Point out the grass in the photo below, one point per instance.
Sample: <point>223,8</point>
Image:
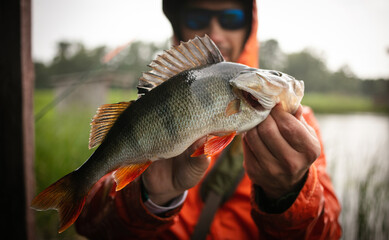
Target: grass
<point>61,145</point>
<point>120,95</point>
<point>371,219</point>
<point>62,137</point>
<point>337,103</point>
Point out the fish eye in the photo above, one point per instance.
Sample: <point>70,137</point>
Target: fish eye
<point>279,74</point>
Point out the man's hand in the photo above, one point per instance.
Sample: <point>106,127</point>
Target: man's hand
<point>168,178</point>
<point>279,151</point>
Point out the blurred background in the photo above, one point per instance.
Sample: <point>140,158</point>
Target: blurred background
<point>339,48</point>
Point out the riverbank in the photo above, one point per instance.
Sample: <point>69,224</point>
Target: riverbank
<point>337,103</point>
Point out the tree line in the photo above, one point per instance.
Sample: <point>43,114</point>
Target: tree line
<point>311,68</point>
<point>74,57</point>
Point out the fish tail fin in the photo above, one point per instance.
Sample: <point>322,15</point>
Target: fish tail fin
<point>65,198</point>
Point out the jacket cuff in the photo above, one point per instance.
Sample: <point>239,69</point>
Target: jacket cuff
<point>158,210</point>
<point>280,205</point>
<point>132,210</point>
<point>308,204</point>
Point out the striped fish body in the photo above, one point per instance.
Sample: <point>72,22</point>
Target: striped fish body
<point>190,93</point>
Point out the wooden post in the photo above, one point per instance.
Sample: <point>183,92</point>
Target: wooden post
<point>16,120</point>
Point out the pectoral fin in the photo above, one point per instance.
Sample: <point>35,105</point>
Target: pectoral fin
<point>214,145</point>
<point>233,107</point>
<point>126,174</point>
<point>199,151</point>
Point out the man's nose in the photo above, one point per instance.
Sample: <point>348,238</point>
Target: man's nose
<point>215,31</point>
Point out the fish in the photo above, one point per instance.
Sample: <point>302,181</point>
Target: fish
<point>190,92</point>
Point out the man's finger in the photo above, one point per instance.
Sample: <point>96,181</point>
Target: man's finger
<point>296,133</point>
<point>274,141</point>
<point>299,112</point>
<point>255,145</point>
<point>258,161</point>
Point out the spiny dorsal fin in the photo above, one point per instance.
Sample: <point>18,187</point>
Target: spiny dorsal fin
<point>197,52</point>
<point>104,119</point>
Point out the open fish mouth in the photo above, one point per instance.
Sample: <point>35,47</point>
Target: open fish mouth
<point>259,102</point>
<point>252,101</point>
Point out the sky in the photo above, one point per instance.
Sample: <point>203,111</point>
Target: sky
<point>343,32</point>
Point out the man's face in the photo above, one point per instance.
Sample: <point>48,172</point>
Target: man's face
<point>229,41</point>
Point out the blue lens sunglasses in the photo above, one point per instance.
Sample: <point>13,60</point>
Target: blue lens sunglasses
<point>229,19</point>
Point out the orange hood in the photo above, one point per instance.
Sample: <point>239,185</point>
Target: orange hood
<point>250,53</point>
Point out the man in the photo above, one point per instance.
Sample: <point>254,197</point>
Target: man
<point>285,192</point>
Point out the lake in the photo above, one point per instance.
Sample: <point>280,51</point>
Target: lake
<point>357,149</point>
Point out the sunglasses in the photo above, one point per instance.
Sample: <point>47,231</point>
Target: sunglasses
<point>229,19</point>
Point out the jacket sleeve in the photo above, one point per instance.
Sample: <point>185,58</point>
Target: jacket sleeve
<point>314,213</point>
<point>108,214</point>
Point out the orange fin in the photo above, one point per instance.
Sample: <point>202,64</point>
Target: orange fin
<point>199,151</point>
<point>233,107</point>
<point>126,174</point>
<point>214,145</point>
<point>65,197</point>
<point>104,119</point>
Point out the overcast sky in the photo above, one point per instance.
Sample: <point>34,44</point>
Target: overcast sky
<point>344,32</point>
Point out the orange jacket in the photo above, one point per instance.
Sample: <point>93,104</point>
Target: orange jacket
<point>121,215</point>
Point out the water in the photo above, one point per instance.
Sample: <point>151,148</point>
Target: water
<point>357,149</point>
